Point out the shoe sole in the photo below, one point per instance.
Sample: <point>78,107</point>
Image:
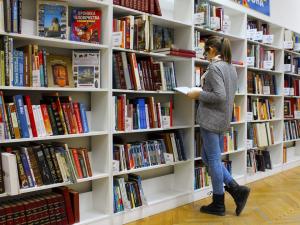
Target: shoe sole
<point>243,203</point>
<point>213,213</point>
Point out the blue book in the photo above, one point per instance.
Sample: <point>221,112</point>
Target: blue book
<point>84,118</point>
<point>42,76</point>
<point>15,68</point>
<point>142,113</point>
<point>21,68</point>
<point>27,170</point>
<point>18,99</point>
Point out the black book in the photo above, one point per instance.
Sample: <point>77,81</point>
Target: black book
<point>20,5</point>
<point>43,165</point>
<point>55,162</point>
<point>7,15</point>
<point>179,137</point>
<point>50,163</point>
<point>267,160</point>
<point>2,190</point>
<point>260,163</point>
<point>52,120</point>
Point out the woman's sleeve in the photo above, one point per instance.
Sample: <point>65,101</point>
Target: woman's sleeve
<point>218,93</point>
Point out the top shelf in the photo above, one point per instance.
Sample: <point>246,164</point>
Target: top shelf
<point>157,20</point>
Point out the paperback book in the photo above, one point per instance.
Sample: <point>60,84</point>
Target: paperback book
<point>86,25</point>
<point>86,69</point>
<point>52,18</point>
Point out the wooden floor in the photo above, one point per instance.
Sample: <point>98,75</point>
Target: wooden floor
<point>275,200</point>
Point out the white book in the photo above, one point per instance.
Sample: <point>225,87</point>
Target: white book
<point>61,166</point>
<point>186,90</point>
<point>10,170</point>
<point>147,116</point>
<point>37,121</point>
<point>41,120</point>
<point>175,151</point>
<point>126,202</point>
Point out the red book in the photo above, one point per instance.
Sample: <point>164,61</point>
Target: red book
<point>68,206</point>
<point>87,160</point>
<point>74,196</point>
<point>181,54</point>
<point>157,10</point>
<point>151,7</point>
<point>77,163</point>
<point>30,114</point>
<point>127,32</point>
<point>46,119</point>
<point>77,117</point>
<point>9,214</point>
<point>60,209</point>
<point>147,2</point>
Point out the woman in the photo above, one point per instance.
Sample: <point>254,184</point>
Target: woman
<point>214,114</point>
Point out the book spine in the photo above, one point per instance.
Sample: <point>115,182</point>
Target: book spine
<point>55,163</point>
<point>21,68</point>
<point>46,119</point>
<point>25,152</point>
<point>41,68</point>
<point>27,170</point>
<point>7,15</point>
<point>14,16</point>
<point>15,68</point>
<point>20,6</point>
<point>86,156</point>
<point>77,117</point>
<point>31,116</point>
<point>23,181</point>
<point>10,123</point>
<point>50,163</point>
<point>21,116</point>
<point>77,163</point>
<point>14,120</point>
<point>83,118</point>
<point>35,167</point>
<point>45,68</point>
<point>66,117</point>
<point>52,120</point>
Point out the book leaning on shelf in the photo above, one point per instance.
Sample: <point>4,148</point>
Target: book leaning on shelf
<point>151,152</point>
<point>45,164</point>
<point>147,6</point>
<point>291,130</point>
<point>261,134</point>
<point>132,73</point>
<point>54,207</point>
<point>55,115</point>
<point>258,160</point>
<point>128,194</point>
<point>141,113</point>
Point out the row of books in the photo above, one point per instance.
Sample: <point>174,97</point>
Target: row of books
<point>258,160</point>
<point>230,142</point>
<point>53,20</point>
<point>45,164</point>
<point>55,115</point>
<point>61,206</point>
<point>261,83</point>
<point>151,152</point>
<point>210,16</point>
<point>199,44</point>
<point>258,30</point>
<point>32,66</point>
<point>291,86</point>
<point>291,130</point>
<point>142,113</point>
<point>147,6</point>
<point>201,177</point>
<point>261,134</point>
<point>128,194</point>
<point>132,73</point>
<point>262,108</point>
<point>260,57</point>
<point>291,40</point>
<point>291,64</point>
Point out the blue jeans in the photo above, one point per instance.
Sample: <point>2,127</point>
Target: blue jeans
<point>212,148</point>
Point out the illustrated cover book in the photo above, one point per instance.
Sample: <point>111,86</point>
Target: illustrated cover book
<point>86,69</point>
<point>59,70</point>
<point>52,18</point>
<point>86,25</point>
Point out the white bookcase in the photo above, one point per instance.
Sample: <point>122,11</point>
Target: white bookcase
<point>165,186</point>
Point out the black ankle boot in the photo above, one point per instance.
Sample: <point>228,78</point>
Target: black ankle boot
<point>217,207</point>
<point>239,194</point>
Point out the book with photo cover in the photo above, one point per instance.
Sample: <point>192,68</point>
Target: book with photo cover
<point>86,25</point>
<point>52,18</point>
<point>59,69</point>
<point>86,68</point>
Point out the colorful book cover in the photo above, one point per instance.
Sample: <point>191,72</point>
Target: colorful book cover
<point>86,69</point>
<point>52,19</point>
<point>86,25</point>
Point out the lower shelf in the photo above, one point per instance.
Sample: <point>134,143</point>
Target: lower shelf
<point>92,216</point>
<point>162,196</point>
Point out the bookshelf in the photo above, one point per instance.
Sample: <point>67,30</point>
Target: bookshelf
<point>172,184</point>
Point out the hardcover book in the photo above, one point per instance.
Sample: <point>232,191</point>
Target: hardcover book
<point>52,18</point>
<point>86,25</point>
<point>59,71</point>
<point>86,69</point>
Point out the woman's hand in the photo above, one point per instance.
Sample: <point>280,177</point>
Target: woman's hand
<point>194,93</point>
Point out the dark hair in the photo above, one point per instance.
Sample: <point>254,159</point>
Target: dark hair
<point>222,45</point>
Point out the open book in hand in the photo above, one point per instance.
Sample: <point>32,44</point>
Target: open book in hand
<point>186,90</point>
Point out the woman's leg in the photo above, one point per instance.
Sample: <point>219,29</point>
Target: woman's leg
<point>227,178</point>
<point>212,152</point>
